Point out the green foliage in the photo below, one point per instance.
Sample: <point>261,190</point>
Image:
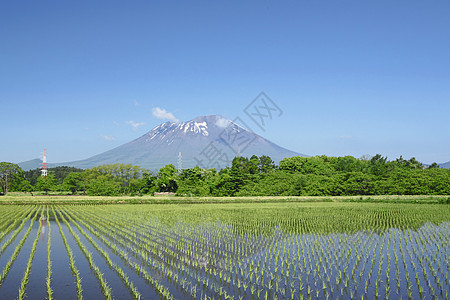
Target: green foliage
<point>114,179</point>
<point>46,183</point>
<point>265,164</point>
<point>195,182</point>
<point>167,179</point>
<point>73,182</point>
<point>307,165</point>
<point>11,177</point>
<point>148,183</point>
<point>334,176</point>
<point>259,176</point>
<point>433,166</point>
<point>25,186</point>
<point>60,173</point>
<point>103,185</point>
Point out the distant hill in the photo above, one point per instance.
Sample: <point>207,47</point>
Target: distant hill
<point>30,164</point>
<point>445,165</point>
<point>208,141</point>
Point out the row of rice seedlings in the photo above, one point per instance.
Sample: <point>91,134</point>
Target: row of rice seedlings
<point>163,291</point>
<point>7,214</point>
<point>354,268</point>
<point>73,268</point>
<point>135,250</point>
<point>434,284</point>
<point>48,281</point>
<point>210,270</point>
<point>136,294</point>
<point>17,250</point>
<point>350,254</point>
<point>16,231</point>
<point>10,220</point>
<point>26,274</point>
<point>103,283</point>
<point>170,270</point>
<point>205,261</point>
<point>4,213</point>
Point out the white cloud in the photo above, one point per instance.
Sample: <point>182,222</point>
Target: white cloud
<point>134,124</point>
<point>222,122</point>
<point>136,103</point>
<point>109,137</point>
<point>161,113</point>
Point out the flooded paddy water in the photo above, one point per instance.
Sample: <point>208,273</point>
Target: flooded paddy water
<point>225,251</point>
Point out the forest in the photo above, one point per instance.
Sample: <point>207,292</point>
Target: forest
<point>254,176</point>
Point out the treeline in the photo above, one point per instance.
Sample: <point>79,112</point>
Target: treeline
<point>255,176</point>
<point>58,172</point>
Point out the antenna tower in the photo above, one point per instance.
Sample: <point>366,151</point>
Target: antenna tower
<point>44,163</point>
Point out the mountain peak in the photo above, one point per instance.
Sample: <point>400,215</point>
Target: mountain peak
<point>195,139</point>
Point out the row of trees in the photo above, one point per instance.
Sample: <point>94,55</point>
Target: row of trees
<point>255,176</point>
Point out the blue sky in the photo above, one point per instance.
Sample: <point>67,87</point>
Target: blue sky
<point>351,77</point>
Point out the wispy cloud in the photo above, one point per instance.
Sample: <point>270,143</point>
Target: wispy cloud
<point>136,103</point>
<point>135,125</point>
<point>109,137</point>
<point>346,137</point>
<point>161,113</point>
<point>222,122</point>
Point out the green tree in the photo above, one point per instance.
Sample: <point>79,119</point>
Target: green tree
<point>73,182</point>
<point>242,171</point>
<point>59,172</point>
<point>167,179</point>
<point>292,164</point>
<point>358,183</point>
<point>318,165</point>
<point>195,182</point>
<point>25,186</point>
<point>377,165</point>
<point>46,183</point>
<point>434,166</point>
<point>124,173</point>
<point>223,184</point>
<point>148,183</point>
<point>348,164</point>
<point>266,164</point>
<point>103,185</point>
<point>412,163</point>
<point>10,175</point>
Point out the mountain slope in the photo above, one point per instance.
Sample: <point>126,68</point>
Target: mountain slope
<point>30,164</point>
<point>209,141</point>
<point>445,165</point>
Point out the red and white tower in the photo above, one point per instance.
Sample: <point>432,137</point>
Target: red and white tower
<point>44,163</point>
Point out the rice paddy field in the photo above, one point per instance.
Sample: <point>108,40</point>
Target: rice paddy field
<point>324,250</point>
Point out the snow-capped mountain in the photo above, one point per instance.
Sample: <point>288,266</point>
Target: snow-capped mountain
<point>208,141</point>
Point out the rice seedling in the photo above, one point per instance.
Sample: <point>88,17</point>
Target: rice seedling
<point>73,268</point>
<point>49,261</point>
<point>273,251</point>
<point>24,282</point>
<point>17,249</point>
<point>104,285</point>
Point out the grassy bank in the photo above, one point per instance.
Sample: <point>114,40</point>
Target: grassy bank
<point>21,198</point>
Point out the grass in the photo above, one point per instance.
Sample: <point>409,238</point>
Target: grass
<point>23,198</point>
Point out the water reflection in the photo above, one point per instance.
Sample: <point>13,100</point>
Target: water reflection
<point>43,225</point>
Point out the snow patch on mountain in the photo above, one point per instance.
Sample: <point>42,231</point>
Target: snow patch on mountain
<point>194,138</point>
